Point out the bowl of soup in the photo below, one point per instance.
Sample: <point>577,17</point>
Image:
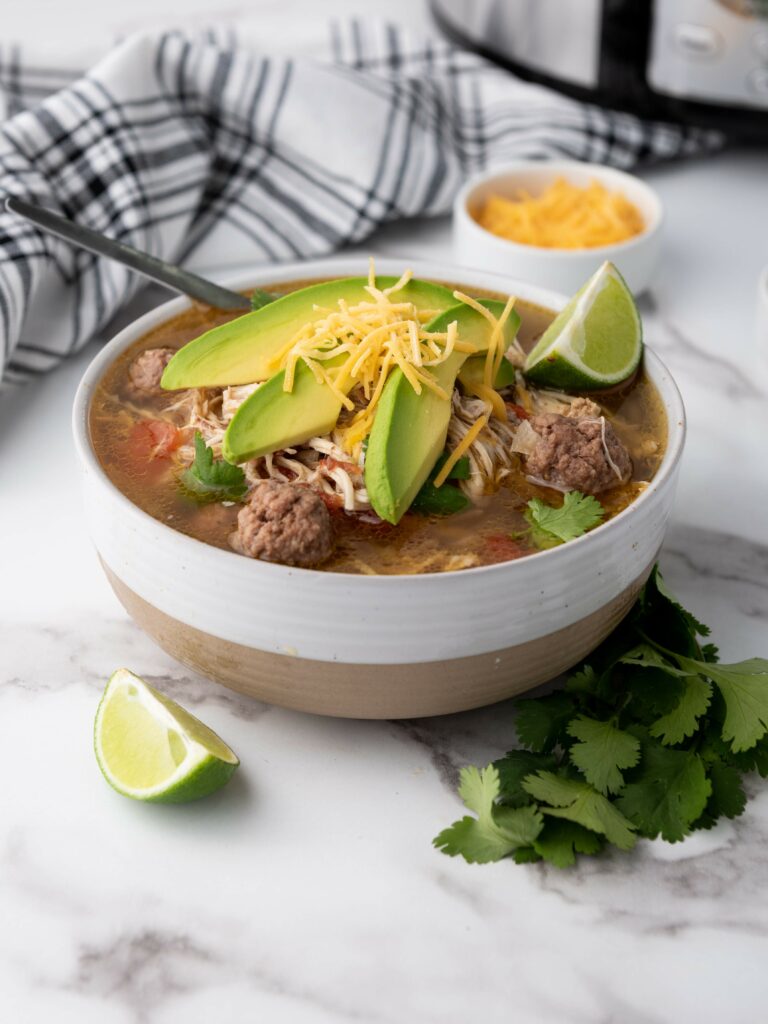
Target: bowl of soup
<point>305,571</point>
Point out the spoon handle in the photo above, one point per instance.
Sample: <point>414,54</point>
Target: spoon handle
<point>141,262</point>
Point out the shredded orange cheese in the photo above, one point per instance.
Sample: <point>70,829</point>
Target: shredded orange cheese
<point>463,446</point>
<point>495,352</point>
<point>492,397</point>
<point>357,346</point>
<point>360,344</point>
<point>564,216</point>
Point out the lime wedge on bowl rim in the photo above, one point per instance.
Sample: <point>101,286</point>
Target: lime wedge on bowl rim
<point>149,748</point>
<point>595,342</point>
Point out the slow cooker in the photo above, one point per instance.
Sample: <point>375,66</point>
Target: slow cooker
<point>702,62</point>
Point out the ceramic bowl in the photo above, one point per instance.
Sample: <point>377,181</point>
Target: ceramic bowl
<point>373,646</point>
<point>563,270</point>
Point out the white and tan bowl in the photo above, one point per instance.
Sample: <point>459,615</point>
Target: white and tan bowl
<point>373,646</point>
<point>564,270</point>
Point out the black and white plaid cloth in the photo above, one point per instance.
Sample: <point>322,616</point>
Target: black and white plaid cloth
<point>202,150</point>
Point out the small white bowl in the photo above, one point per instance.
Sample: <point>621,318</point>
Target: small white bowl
<point>373,646</point>
<point>564,270</point>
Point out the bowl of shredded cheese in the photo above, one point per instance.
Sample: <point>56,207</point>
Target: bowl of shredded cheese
<point>555,222</point>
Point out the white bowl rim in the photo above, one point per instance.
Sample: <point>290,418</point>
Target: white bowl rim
<point>344,266</point>
<point>615,174</point>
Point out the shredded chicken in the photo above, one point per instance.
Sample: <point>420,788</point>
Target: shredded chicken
<point>323,464</point>
<point>490,454</point>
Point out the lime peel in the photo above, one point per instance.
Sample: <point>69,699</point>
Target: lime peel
<point>595,342</point>
<point>149,748</point>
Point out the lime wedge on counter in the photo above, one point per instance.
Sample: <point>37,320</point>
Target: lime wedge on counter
<point>597,340</point>
<point>149,748</point>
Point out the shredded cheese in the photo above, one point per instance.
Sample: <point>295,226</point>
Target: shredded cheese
<point>352,348</point>
<point>491,396</point>
<point>564,216</point>
<point>360,344</point>
<point>495,353</point>
<point>464,445</point>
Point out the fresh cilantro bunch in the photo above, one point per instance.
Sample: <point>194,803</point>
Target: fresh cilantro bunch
<point>209,479</point>
<point>650,737</point>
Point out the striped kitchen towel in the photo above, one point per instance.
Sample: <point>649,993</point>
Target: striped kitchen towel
<point>203,150</point>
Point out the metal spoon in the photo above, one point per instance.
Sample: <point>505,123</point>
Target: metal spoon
<point>141,262</point>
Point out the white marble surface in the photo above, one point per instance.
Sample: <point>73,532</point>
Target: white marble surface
<point>308,892</point>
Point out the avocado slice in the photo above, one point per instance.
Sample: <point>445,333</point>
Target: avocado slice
<point>473,372</point>
<point>409,430</point>
<point>240,351</point>
<point>272,418</point>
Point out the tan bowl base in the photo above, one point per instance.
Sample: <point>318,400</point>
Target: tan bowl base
<point>377,691</point>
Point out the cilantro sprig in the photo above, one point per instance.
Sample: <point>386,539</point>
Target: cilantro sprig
<point>650,737</point>
<point>550,526</point>
<point>209,479</point>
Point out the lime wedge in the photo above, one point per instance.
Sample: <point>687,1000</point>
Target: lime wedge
<point>597,340</point>
<point>149,748</point>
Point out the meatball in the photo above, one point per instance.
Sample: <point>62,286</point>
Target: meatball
<point>573,454</point>
<point>145,371</point>
<point>284,523</point>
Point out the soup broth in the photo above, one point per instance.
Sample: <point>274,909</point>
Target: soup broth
<point>494,529</point>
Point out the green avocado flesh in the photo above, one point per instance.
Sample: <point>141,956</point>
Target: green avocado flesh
<point>473,372</point>
<point>272,418</point>
<point>241,351</point>
<point>410,430</point>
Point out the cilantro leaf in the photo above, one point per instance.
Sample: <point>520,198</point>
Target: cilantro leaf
<point>439,501</point>
<point>261,298</point>
<point>646,656</point>
<point>583,681</point>
<point>578,513</point>
<point>579,802</point>
<point>602,752</point>
<point>496,831</point>
<point>525,855</point>
<point>727,799</point>
<point>541,721</point>
<point>744,688</point>
<point>665,621</point>
<point>657,582</point>
<point>445,500</point>
<point>753,760</point>
<point>212,480</point>
<point>670,794</point>
<point>461,469</point>
<point>513,768</point>
<point>710,653</point>
<point>560,840</point>
<point>683,719</point>
<point>653,692</point>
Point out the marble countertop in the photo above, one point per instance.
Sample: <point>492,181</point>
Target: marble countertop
<point>308,891</point>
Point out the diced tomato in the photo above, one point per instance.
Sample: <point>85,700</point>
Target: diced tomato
<point>349,467</point>
<point>149,446</point>
<point>333,502</point>
<point>518,410</point>
<point>155,439</point>
<point>500,547</point>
